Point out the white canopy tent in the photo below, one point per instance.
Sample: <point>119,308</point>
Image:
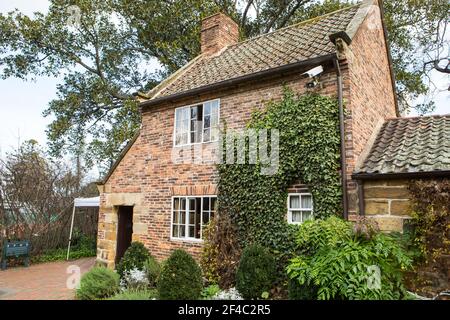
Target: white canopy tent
<point>81,203</point>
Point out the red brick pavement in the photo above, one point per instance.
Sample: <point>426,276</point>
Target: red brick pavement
<point>45,281</point>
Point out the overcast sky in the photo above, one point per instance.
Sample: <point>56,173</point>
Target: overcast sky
<point>22,102</point>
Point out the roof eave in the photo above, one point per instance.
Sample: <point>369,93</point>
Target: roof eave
<point>401,175</point>
<point>237,80</point>
<point>119,159</point>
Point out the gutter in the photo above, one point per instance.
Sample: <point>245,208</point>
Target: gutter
<point>401,175</point>
<point>342,136</point>
<point>238,80</point>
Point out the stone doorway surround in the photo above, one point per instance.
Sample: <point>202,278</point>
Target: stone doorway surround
<point>108,223</point>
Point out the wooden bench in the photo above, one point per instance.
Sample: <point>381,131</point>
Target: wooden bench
<point>16,249</point>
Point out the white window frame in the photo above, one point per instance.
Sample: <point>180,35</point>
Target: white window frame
<point>203,121</point>
<point>186,212</point>
<point>289,213</point>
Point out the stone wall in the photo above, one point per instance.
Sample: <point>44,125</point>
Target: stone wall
<point>388,203</point>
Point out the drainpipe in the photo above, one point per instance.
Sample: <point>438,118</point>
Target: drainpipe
<point>342,134</point>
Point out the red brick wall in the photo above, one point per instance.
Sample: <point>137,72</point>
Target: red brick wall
<point>218,31</point>
<point>369,94</point>
<point>147,168</point>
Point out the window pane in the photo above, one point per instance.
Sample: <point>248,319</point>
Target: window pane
<point>294,202</point>
<point>205,217</point>
<point>176,204</point>
<point>207,122</point>
<point>183,203</point>
<point>214,204</point>
<point>175,231</point>
<point>307,215</point>
<point>182,217</point>
<point>182,232</point>
<point>207,135</point>
<point>205,203</point>
<point>306,202</point>
<point>175,217</point>
<point>191,232</point>
<point>296,216</point>
<point>207,107</point>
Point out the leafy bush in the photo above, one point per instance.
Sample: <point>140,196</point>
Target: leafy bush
<point>134,257</point>
<point>134,279</point>
<point>221,251</point>
<point>256,272</point>
<point>343,264</point>
<point>180,278</point>
<point>301,292</point>
<point>98,283</point>
<point>210,291</point>
<point>152,270</point>
<point>135,295</point>
<point>308,152</point>
<point>84,246</point>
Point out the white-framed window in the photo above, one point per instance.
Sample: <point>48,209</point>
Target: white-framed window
<point>300,207</point>
<point>190,215</point>
<point>197,123</point>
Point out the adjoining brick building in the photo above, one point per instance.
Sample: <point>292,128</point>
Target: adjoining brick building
<point>149,197</point>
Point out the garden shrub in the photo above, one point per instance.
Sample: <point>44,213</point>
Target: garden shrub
<point>343,264</point>
<point>134,257</point>
<point>180,278</point>
<point>309,144</point>
<point>301,292</point>
<point>135,295</point>
<point>221,252</point>
<point>210,291</point>
<point>134,279</point>
<point>256,272</point>
<point>98,283</point>
<point>152,270</point>
<point>430,227</point>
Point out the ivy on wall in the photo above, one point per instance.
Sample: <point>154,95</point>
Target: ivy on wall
<point>309,144</point>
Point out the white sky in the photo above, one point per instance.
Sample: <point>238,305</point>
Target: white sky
<point>22,102</point>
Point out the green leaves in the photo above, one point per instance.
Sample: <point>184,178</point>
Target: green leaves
<point>338,262</point>
<point>308,152</point>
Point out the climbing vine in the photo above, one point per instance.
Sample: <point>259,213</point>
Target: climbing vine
<point>309,143</point>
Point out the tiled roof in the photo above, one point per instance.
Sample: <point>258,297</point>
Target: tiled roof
<point>410,145</point>
<point>299,42</point>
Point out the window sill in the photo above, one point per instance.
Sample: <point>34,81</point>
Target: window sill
<point>187,240</point>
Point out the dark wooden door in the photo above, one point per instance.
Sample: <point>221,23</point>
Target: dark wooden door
<point>124,231</point>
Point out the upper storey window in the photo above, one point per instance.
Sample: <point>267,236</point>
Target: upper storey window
<point>197,123</point>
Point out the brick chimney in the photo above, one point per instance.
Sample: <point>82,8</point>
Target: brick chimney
<point>218,32</point>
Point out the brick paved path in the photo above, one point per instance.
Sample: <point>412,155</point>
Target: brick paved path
<point>45,281</point>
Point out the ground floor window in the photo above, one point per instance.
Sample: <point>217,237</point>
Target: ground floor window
<point>190,215</point>
<point>300,207</point>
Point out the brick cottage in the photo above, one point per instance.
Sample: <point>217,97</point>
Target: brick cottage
<point>163,203</point>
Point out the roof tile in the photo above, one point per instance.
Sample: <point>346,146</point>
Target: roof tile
<point>403,145</point>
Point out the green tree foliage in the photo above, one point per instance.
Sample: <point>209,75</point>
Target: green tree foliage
<point>98,283</point>
<point>339,263</point>
<point>136,256</point>
<point>181,278</point>
<point>308,152</point>
<point>108,56</point>
<point>256,273</point>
